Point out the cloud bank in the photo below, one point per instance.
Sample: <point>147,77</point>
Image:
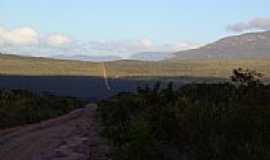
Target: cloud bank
<point>27,41</point>
<point>258,23</point>
<point>58,40</point>
<point>18,36</point>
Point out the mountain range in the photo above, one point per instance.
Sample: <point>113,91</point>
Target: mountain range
<point>88,58</point>
<point>151,56</point>
<point>244,46</point>
<point>249,45</point>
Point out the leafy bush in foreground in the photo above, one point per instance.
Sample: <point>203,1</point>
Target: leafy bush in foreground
<point>19,107</point>
<point>229,121</point>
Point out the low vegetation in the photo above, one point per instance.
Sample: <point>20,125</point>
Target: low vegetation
<point>14,65</point>
<point>198,121</point>
<point>30,66</point>
<point>20,107</point>
<point>187,68</point>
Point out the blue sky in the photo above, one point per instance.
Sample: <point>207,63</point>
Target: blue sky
<point>112,22</point>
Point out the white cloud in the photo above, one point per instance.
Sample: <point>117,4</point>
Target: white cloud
<point>58,40</point>
<point>258,23</point>
<point>121,46</point>
<point>19,36</point>
<point>134,46</point>
<point>27,41</point>
<point>147,43</point>
<point>180,46</point>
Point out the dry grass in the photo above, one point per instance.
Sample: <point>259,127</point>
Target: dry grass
<point>204,68</point>
<point>12,65</point>
<point>41,66</point>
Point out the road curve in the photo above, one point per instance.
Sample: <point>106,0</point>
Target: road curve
<point>70,137</point>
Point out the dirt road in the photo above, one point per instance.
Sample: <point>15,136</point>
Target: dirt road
<point>105,76</point>
<point>71,137</point>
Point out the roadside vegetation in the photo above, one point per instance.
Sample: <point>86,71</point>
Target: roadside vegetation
<point>220,121</point>
<point>21,107</point>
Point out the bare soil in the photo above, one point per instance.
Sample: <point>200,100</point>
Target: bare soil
<point>74,136</point>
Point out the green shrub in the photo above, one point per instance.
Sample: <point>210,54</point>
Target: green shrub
<point>20,107</point>
<point>198,121</point>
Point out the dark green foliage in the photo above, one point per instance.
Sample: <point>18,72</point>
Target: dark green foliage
<point>199,121</point>
<point>20,107</point>
<point>246,77</point>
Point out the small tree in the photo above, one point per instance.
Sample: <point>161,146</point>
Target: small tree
<point>246,77</point>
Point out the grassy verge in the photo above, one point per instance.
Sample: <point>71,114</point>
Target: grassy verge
<point>19,107</point>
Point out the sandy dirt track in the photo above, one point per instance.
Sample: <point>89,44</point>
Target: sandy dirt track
<point>70,137</point>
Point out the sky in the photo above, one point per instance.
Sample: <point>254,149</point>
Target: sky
<point>123,27</point>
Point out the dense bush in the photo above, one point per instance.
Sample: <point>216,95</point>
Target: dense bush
<point>228,121</point>
<point>19,107</point>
